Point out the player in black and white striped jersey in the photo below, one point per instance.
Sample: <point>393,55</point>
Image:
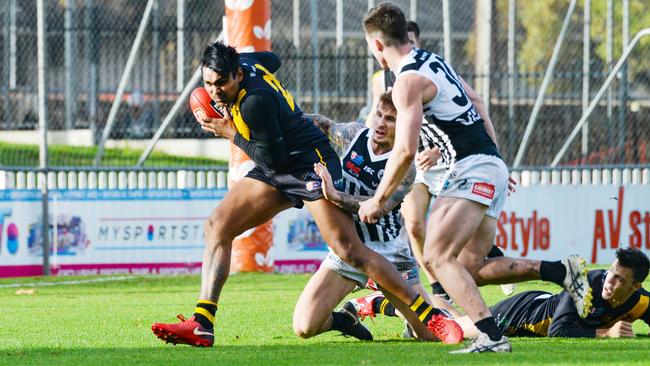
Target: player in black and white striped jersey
<point>363,153</point>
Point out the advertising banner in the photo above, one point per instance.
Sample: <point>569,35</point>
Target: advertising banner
<point>133,232</point>
<point>550,222</point>
<point>105,231</point>
<point>161,231</point>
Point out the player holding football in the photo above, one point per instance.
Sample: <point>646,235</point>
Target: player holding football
<point>264,120</point>
<point>464,214</point>
<point>363,153</point>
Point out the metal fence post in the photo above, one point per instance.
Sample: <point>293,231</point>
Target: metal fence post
<point>42,123</point>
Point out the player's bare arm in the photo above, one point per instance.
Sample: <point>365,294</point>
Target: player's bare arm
<point>479,104</point>
<point>340,134</point>
<point>377,89</point>
<point>350,203</point>
<point>618,330</point>
<point>426,159</point>
<point>408,93</point>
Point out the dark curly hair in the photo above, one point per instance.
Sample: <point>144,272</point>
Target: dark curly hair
<point>220,58</point>
<point>636,260</point>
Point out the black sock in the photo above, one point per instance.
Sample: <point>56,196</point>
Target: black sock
<point>204,313</point>
<point>381,305</point>
<point>423,310</point>
<point>436,289</point>
<point>341,321</point>
<point>489,327</point>
<point>495,252</point>
<point>552,272</point>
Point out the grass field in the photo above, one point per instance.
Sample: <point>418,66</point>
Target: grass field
<point>108,323</point>
<point>62,155</point>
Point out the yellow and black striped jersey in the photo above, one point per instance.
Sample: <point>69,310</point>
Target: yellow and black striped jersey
<point>539,313</point>
<point>271,127</point>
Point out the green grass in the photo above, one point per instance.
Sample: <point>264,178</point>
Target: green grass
<point>64,155</point>
<point>109,323</point>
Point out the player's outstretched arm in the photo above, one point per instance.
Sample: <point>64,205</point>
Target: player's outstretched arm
<point>377,89</point>
<point>567,323</point>
<point>339,134</point>
<point>351,203</point>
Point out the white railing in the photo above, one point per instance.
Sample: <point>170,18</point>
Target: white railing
<point>582,176</point>
<point>115,179</point>
<point>187,178</point>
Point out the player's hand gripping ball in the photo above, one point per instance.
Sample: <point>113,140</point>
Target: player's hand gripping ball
<point>202,104</point>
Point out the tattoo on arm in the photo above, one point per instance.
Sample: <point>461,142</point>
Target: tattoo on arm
<point>340,134</point>
<point>402,190</point>
<point>350,203</point>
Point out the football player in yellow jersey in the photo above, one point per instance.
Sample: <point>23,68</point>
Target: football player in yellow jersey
<point>265,121</point>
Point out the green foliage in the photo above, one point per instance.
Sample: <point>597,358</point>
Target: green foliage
<point>108,323</point>
<point>541,22</point>
<point>639,18</point>
<point>75,156</point>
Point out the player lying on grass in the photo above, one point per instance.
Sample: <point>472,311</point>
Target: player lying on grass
<point>264,120</point>
<point>363,153</point>
<point>618,300</point>
<point>498,270</point>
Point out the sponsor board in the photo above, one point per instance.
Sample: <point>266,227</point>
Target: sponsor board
<point>132,232</point>
<point>550,222</point>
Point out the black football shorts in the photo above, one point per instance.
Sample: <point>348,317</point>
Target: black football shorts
<point>301,183</point>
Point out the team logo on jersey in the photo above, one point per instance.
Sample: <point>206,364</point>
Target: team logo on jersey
<point>313,185</point>
<point>484,190</point>
<point>358,159</point>
<point>380,174</point>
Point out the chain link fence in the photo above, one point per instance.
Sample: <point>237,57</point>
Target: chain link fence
<point>503,48</point>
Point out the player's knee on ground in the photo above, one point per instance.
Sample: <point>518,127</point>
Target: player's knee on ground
<point>303,329</point>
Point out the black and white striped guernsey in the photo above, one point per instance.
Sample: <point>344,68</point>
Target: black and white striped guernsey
<point>451,121</point>
<point>362,172</point>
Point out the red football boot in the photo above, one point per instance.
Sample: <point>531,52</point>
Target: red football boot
<point>363,305</point>
<point>445,329</point>
<point>188,331</point>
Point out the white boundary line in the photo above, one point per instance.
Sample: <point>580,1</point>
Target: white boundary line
<point>71,282</point>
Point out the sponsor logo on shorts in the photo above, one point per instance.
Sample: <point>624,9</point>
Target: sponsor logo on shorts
<point>312,186</point>
<point>410,274</point>
<point>358,159</point>
<point>484,190</point>
<point>463,184</point>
